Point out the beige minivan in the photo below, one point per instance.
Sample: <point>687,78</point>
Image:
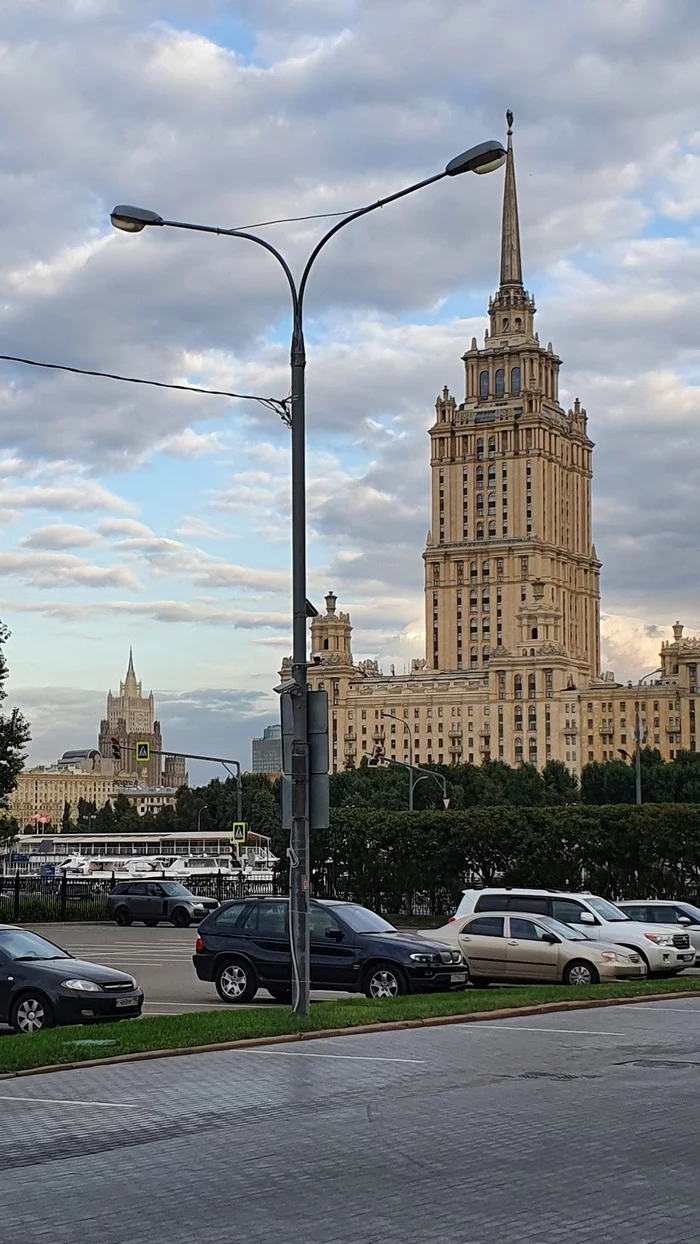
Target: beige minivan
<point>501,946</point>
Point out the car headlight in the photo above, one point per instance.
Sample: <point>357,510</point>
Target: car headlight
<point>421,958</point>
<point>609,956</point>
<point>83,986</point>
<point>661,939</point>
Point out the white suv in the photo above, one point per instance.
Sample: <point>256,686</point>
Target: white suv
<point>666,949</point>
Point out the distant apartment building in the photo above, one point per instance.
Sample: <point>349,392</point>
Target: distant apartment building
<point>267,751</point>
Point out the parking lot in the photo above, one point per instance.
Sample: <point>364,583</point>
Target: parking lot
<point>525,1131</point>
<point>160,959</point>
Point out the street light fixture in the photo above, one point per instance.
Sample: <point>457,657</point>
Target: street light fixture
<point>199,816</point>
<point>483,158</point>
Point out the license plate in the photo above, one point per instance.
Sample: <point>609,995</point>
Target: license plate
<point>458,978</point>
<point>126,1002</point>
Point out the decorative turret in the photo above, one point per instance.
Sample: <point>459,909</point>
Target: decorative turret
<point>330,636</point>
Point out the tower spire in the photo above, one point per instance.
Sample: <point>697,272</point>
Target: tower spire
<point>511,264</point>
<point>130,684</point>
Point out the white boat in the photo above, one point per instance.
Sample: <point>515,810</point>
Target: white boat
<point>101,867</point>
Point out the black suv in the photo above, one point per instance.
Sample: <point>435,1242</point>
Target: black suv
<point>245,945</point>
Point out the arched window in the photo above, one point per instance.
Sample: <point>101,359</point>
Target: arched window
<point>492,530</point>
<point>485,572</point>
<point>492,447</point>
<point>485,603</point>
<point>472,572</point>
<point>325,643</point>
<point>531,687</point>
<point>515,379</point>
<point>485,655</point>
<point>483,384</point>
<point>492,503</point>
<point>474,658</point>
<point>532,749</point>
<point>506,324</point>
<point>518,751</point>
<point>517,718</point>
<point>518,686</point>
<point>492,477</point>
<point>479,531</point>
<point>518,324</point>
<point>473,602</point>
<point>479,477</point>
<point>479,447</point>
<point>500,382</point>
<point>479,503</point>
<point>533,633</point>
<point>473,629</point>
<point>485,628</point>
<point>532,718</point>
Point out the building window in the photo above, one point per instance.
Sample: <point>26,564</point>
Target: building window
<point>492,449</point>
<point>480,505</point>
<point>472,572</point>
<point>460,572</point>
<point>479,531</point>
<point>492,530</point>
<point>524,572</point>
<point>499,569</point>
<point>531,687</point>
<point>436,573</point>
<point>479,448</point>
<point>518,687</point>
<point>473,602</point>
<point>480,476</point>
<point>473,629</point>
<point>500,382</point>
<point>474,659</point>
<point>492,502</point>
<point>485,656</point>
<point>532,717</point>
<point>483,384</point>
<point>485,572</point>
<point>485,628</point>
<point>515,379</point>
<point>485,603</point>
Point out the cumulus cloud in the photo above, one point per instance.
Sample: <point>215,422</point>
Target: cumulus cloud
<point>60,536</point>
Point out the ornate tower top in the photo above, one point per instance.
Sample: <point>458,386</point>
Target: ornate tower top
<point>511,263</point>
<point>130,687</point>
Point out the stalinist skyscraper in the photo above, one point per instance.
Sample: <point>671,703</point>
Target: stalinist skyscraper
<point>131,719</point>
<point>512,596</point>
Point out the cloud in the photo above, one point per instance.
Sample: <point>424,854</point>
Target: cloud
<point>56,570</point>
<point>190,444</point>
<point>168,611</point>
<point>84,495</point>
<point>60,536</point>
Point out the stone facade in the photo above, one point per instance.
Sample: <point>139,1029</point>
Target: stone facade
<point>512,592</point>
<point>131,719</point>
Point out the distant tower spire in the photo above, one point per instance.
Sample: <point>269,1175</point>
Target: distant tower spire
<point>130,684</point>
<point>511,264</point>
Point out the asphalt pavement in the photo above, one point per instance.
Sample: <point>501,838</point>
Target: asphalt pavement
<point>540,1130</point>
<point>160,959</point>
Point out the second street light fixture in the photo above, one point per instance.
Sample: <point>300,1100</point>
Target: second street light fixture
<point>483,158</point>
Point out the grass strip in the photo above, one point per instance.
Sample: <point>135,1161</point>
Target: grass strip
<point>173,1032</point>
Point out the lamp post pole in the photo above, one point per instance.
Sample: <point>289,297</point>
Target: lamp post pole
<point>483,158</point>
<point>406,726</point>
<point>199,817</point>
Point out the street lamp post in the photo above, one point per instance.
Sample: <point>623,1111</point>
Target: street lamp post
<point>199,816</point>
<point>410,754</point>
<point>640,735</point>
<point>483,158</point>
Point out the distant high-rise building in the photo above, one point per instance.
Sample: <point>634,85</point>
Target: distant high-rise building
<point>131,719</point>
<point>267,751</point>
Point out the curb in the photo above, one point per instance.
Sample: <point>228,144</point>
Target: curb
<point>436,1021</point>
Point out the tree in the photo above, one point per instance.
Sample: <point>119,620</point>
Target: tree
<point>14,733</point>
<point>66,822</point>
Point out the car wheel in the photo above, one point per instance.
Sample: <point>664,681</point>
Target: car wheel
<point>236,981</point>
<point>181,918</point>
<point>385,980</point>
<point>123,916</point>
<point>581,973</point>
<point>30,1013</point>
<point>151,924</point>
<point>281,993</point>
<point>479,982</point>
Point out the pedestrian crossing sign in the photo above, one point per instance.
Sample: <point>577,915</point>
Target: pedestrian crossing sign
<point>240,831</point>
<point>143,752</point>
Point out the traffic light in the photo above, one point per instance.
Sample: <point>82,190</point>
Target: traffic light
<point>116,748</point>
<point>377,755</point>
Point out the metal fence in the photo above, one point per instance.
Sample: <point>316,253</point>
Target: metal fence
<point>26,899</point>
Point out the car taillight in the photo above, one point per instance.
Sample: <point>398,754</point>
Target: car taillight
<point>451,920</point>
<point>198,946</point>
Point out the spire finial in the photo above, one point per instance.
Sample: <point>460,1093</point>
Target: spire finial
<point>511,265</point>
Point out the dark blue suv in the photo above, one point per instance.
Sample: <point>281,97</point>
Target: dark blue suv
<point>244,945</point>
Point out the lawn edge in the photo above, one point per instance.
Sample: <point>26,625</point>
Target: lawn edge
<point>434,1021</point>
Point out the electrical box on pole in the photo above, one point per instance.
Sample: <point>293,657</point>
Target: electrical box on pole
<point>319,781</point>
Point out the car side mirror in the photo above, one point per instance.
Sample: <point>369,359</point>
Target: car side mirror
<point>684,920</point>
<point>550,939</point>
<point>587,917</point>
<point>335,935</point>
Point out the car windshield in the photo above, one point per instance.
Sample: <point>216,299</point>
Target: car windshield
<point>563,930</point>
<point>173,889</point>
<point>20,944</point>
<point>362,920</point>
<point>607,910</point>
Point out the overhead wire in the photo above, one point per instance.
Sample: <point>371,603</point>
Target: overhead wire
<point>279,406</point>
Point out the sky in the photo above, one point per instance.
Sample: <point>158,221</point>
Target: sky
<point>141,516</point>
